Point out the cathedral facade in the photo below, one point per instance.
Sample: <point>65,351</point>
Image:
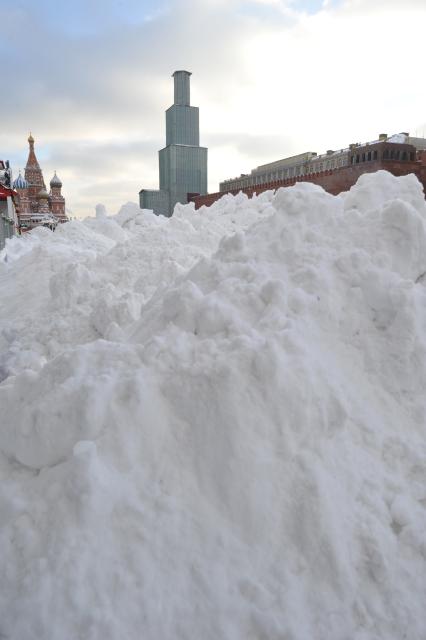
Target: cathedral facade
<point>35,206</point>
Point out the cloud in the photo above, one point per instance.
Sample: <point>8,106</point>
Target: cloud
<point>365,7</point>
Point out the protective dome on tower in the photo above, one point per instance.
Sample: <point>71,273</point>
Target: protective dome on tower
<point>55,181</point>
<point>20,182</point>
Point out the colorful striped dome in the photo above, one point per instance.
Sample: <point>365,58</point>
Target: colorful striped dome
<point>20,182</point>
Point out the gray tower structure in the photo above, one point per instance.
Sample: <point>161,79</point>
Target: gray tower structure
<point>183,163</point>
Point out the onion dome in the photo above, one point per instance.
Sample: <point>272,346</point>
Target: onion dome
<point>42,194</point>
<point>55,181</point>
<point>20,182</point>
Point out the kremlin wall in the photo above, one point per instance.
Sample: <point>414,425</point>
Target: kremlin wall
<point>335,171</point>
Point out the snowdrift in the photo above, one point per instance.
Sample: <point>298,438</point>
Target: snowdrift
<point>213,426</point>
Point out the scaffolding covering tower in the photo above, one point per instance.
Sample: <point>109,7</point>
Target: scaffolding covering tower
<point>182,162</point>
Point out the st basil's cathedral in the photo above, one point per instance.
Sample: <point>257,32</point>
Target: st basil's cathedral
<point>35,206</point>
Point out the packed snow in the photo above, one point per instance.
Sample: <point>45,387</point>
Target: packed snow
<point>213,425</point>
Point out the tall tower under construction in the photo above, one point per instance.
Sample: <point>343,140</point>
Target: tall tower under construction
<point>183,163</point>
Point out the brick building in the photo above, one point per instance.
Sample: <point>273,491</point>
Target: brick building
<point>36,207</point>
<point>335,171</point>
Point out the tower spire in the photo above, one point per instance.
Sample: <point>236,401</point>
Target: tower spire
<point>33,173</point>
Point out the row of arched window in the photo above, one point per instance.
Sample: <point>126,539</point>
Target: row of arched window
<point>388,154</point>
<point>365,157</point>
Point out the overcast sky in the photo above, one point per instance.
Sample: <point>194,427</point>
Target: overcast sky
<point>92,78</point>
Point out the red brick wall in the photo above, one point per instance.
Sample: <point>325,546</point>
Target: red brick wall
<point>334,181</point>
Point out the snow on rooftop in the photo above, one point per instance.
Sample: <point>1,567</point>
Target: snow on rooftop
<point>212,426</point>
<point>398,138</point>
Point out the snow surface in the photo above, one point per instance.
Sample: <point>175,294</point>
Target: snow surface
<point>213,425</point>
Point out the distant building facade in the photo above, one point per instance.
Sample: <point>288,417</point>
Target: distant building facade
<point>8,215</point>
<point>37,207</point>
<point>335,171</point>
<point>182,162</point>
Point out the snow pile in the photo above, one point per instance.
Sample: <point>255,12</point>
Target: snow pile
<point>213,425</point>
